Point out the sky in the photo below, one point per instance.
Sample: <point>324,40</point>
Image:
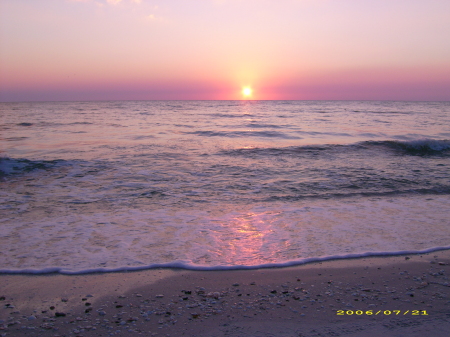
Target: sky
<point>72,50</point>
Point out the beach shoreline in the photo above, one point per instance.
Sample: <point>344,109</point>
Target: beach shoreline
<point>371,296</point>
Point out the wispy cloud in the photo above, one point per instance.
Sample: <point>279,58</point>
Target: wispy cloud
<point>111,2</point>
<point>155,17</point>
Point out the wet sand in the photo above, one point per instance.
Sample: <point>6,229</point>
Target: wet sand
<point>389,296</point>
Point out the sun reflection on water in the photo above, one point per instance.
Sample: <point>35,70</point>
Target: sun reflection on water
<point>249,239</point>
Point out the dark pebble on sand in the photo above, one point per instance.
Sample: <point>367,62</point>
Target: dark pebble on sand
<point>2,298</point>
<point>60,314</point>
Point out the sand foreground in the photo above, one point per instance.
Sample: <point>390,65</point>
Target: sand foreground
<point>381,296</point>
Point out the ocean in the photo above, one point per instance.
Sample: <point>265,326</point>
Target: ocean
<point>129,185</point>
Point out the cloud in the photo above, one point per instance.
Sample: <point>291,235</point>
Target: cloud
<point>154,18</point>
<point>115,2</point>
<point>111,2</point>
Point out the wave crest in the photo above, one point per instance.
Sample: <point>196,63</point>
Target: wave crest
<point>189,266</point>
<point>9,166</point>
<point>420,146</point>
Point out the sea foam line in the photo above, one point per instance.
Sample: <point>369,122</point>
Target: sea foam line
<point>186,266</point>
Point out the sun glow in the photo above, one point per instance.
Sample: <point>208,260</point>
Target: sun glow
<point>247,92</point>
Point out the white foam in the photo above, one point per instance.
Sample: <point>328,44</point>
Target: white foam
<point>187,266</point>
<point>261,236</point>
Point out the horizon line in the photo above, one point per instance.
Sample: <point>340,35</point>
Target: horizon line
<point>222,100</point>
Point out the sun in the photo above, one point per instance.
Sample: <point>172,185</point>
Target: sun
<point>247,92</point>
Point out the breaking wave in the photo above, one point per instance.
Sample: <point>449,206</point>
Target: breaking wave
<point>422,147</point>
<point>189,266</point>
<point>9,166</point>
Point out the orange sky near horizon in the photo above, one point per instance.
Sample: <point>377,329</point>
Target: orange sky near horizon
<point>212,49</point>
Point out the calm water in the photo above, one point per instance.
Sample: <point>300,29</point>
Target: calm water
<point>217,184</point>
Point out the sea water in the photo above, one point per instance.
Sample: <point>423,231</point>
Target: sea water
<point>126,185</point>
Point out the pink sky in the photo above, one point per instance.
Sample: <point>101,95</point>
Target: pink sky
<point>211,49</point>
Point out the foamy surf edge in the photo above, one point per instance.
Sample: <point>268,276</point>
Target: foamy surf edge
<point>186,266</point>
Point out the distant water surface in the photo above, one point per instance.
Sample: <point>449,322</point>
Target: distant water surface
<point>88,186</point>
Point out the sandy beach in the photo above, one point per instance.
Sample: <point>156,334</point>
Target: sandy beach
<point>390,296</point>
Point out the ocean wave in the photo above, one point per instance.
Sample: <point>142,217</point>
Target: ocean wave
<point>189,266</point>
<point>387,112</point>
<point>247,133</point>
<point>262,125</point>
<point>15,139</point>
<point>80,123</point>
<point>231,115</point>
<point>362,192</point>
<point>9,166</point>
<point>414,147</point>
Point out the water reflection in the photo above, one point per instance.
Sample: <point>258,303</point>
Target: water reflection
<point>248,239</point>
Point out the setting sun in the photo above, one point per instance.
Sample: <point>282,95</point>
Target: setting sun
<point>247,92</point>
